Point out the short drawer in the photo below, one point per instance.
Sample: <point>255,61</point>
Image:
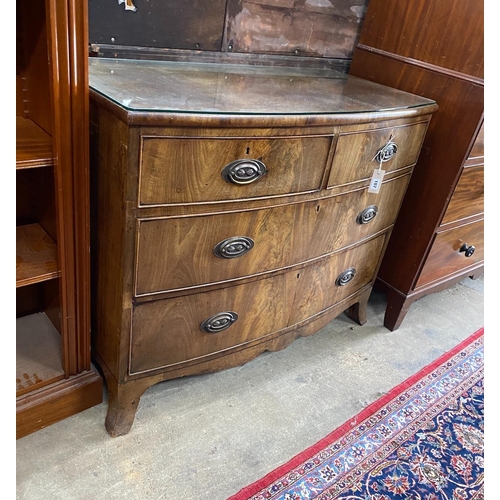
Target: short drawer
<point>449,252</point>
<point>333,279</point>
<point>356,153</point>
<point>468,197</point>
<point>183,252</point>
<point>200,169</point>
<point>177,330</point>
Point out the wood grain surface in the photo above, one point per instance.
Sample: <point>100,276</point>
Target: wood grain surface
<point>354,154</point>
<point>161,207</point>
<point>322,29</point>
<point>445,257</point>
<point>168,331</point>
<point>176,253</point>
<point>468,196</point>
<point>446,33</point>
<point>440,162</point>
<point>52,213</point>
<point>33,145</point>
<point>189,170</point>
<point>433,49</point>
<point>36,256</point>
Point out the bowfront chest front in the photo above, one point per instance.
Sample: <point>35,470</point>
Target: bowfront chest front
<point>232,211</point>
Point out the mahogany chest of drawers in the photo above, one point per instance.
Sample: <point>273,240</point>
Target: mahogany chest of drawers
<point>232,211</point>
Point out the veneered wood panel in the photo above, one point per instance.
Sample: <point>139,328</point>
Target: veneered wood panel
<point>168,331</point>
<point>447,33</point>
<point>445,257</point>
<point>334,223</point>
<point>354,154</point>
<point>187,170</point>
<point>319,28</point>
<point>468,196</point>
<point>444,151</point>
<point>317,289</point>
<point>108,219</point>
<point>179,253</point>
<point>176,253</point>
<point>186,24</point>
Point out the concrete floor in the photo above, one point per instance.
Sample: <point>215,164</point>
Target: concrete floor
<point>206,437</point>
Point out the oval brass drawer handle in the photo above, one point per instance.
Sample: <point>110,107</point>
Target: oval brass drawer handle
<point>218,322</point>
<point>243,172</point>
<point>233,247</point>
<point>387,152</point>
<point>346,276</point>
<point>468,249</point>
<point>367,215</point>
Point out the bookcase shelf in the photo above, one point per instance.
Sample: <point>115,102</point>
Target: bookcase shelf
<point>33,145</point>
<point>36,256</point>
<point>54,375</point>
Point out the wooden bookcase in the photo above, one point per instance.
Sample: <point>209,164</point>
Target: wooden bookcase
<point>54,375</point>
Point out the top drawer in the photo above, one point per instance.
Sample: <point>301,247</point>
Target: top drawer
<point>355,154</point>
<point>177,170</point>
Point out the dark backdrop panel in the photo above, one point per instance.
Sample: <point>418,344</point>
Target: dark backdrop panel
<point>179,24</point>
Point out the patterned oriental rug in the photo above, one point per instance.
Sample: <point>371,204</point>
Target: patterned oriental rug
<point>421,441</point>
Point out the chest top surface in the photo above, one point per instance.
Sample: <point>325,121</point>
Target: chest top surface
<point>165,87</point>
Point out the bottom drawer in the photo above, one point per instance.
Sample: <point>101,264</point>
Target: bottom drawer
<point>171,331</point>
<point>445,257</point>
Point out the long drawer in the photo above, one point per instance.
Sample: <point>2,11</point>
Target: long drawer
<point>200,169</point>
<point>171,331</point>
<point>451,252</point>
<point>182,252</point>
<point>356,153</point>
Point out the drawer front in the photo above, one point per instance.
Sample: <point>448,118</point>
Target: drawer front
<point>201,169</point>
<point>468,197</point>
<point>355,153</point>
<point>167,332</point>
<point>171,331</point>
<point>319,286</point>
<point>445,257</point>
<point>183,252</point>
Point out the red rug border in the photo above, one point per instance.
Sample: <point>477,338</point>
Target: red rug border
<point>272,476</point>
